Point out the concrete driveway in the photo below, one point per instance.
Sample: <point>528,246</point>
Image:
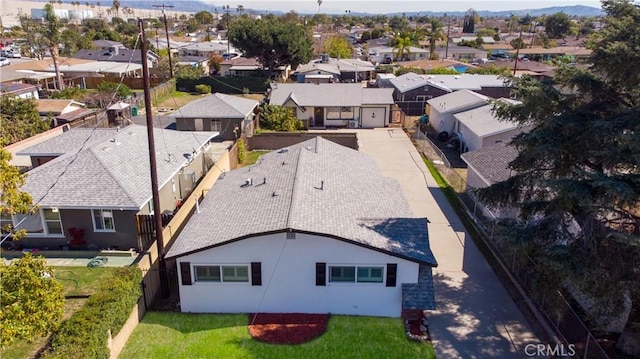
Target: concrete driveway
<point>475,316</point>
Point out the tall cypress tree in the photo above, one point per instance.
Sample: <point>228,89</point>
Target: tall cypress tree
<point>577,180</point>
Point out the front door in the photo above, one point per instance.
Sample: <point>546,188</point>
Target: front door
<point>318,117</point>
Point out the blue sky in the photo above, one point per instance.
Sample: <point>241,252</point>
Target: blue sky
<point>390,6</point>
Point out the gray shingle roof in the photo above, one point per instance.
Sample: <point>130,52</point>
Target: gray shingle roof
<point>457,101</point>
<point>71,141</point>
<point>316,186</point>
<point>330,95</point>
<point>491,162</point>
<point>483,122</point>
<point>217,105</point>
<point>466,81</point>
<point>407,82</point>
<point>112,172</point>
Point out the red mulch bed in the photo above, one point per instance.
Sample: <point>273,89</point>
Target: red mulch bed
<point>287,328</point>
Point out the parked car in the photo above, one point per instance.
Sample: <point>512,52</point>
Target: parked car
<point>10,54</point>
<point>4,61</point>
<point>15,54</point>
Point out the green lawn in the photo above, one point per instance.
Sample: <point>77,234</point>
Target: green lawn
<point>80,280</point>
<point>251,158</point>
<point>179,335</point>
<point>76,281</point>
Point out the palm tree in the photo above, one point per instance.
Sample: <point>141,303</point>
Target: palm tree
<point>402,45</point>
<point>434,34</point>
<point>116,7</point>
<point>51,35</point>
<point>99,9</point>
<point>240,9</point>
<point>319,3</point>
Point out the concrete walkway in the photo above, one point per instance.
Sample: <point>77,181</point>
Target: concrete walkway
<point>475,316</point>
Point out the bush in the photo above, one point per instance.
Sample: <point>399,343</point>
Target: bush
<point>203,89</point>
<point>241,151</point>
<point>84,335</point>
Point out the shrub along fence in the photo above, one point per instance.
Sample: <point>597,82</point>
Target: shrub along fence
<point>87,333</point>
<point>229,84</point>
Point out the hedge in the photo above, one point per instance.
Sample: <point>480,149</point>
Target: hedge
<point>231,85</point>
<point>84,335</point>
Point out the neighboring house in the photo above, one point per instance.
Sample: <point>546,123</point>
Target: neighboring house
<point>194,61</point>
<point>487,166</point>
<point>229,115</point>
<point>36,72</point>
<point>250,67</point>
<point>98,180</point>
<point>480,127</point>
<point>414,87</point>
<point>117,54</point>
<point>388,54</point>
<point>19,90</point>
<point>108,45</point>
<point>442,109</point>
<point>205,49</point>
<point>461,53</point>
<point>89,75</point>
<point>335,105</point>
<point>485,39</point>
<point>312,228</point>
<point>327,69</point>
<point>63,110</point>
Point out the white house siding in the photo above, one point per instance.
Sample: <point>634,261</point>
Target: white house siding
<point>373,117</point>
<point>474,180</point>
<point>289,278</point>
<point>441,121</point>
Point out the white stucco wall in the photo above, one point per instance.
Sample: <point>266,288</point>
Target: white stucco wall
<point>289,278</point>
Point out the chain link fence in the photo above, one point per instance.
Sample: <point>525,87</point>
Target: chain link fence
<point>566,323</point>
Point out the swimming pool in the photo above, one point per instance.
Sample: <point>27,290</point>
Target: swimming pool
<point>460,68</point>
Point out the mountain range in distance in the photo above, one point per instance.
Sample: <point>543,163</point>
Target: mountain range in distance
<point>197,5</point>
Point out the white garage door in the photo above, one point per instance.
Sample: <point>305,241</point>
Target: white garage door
<point>373,117</point>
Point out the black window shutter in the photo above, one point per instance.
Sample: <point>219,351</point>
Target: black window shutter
<point>256,273</point>
<point>321,274</point>
<point>392,270</point>
<point>185,273</point>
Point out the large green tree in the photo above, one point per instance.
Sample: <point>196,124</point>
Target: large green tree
<point>32,300</point>
<point>338,47</point>
<point>275,42</point>
<point>12,199</point>
<point>558,25</point>
<point>19,119</point>
<point>577,174</point>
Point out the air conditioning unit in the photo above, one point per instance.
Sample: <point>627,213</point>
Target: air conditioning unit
<point>353,124</point>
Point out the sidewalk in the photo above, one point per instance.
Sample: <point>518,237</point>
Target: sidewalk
<point>475,316</point>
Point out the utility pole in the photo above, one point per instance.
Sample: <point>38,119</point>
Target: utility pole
<point>226,10</point>
<point>157,211</point>
<point>446,51</point>
<point>166,30</point>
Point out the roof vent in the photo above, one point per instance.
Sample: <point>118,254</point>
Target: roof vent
<point>248,182</point>
<point>291,235</point>
<point>284,150</point>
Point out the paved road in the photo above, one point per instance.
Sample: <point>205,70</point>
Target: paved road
<point>475,316</point>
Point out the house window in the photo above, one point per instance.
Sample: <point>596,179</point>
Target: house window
<point>216,125</point>
<point>342,274</point>
<point>333,113</point>
<point>5,223</point>
<point>207,273</point>
<point>346,113</point>
<point>353,274</point>
<point>103,220</point>
<point>52,221</point>
<point>44,222</point>
<point>370,274</point>
<point>222,273</point>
